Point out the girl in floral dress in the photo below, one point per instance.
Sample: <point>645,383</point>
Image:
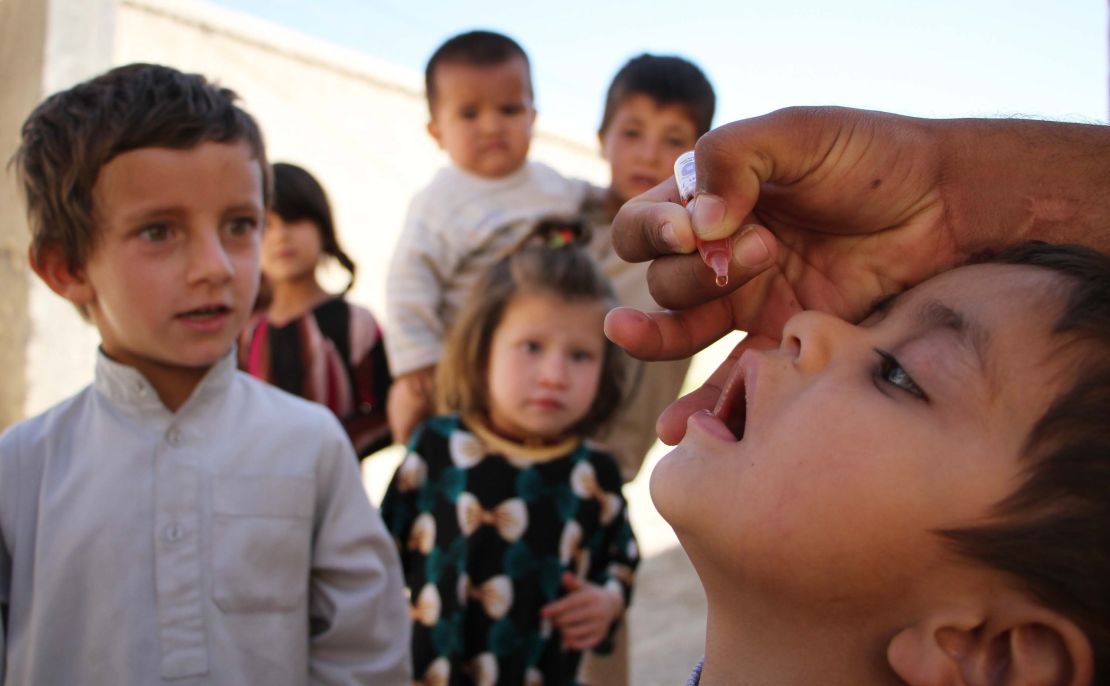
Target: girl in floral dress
<point>512,528</point>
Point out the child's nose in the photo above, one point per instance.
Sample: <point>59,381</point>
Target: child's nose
<point>490,122</point>
<point>650,149</point>
<point>813,338</point>
<point>553,370</point>
<point>208,259</point>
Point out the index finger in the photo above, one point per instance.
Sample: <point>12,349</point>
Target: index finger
<point>668,335</point>
<point>653,224</point>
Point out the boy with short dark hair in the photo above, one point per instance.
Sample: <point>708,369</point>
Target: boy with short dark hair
<point>922,498</point>
<point>479,89</point>
<point>177,520</point>
<point>669,80</point>
<point>656,108</point>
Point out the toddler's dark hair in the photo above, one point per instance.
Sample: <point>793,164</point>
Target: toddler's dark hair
<point>72,134</point>
<point>474,48</point>
<point>667,79</point>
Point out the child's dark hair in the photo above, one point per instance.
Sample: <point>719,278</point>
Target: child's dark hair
<point>298,195</point>
<point>1053,532</point>
<point>474,48</point>
<point>667,79</point>
<point>72,134</point>
<point>553,260</point>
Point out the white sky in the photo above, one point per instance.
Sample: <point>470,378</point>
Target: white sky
<point>934,58</point>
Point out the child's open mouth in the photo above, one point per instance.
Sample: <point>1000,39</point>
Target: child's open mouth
<point>205,312</point>
<point>732,406</point>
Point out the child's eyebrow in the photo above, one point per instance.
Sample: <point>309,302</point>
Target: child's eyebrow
<point>251,206</point>
<point>934,314</point>
<point>882,305</point>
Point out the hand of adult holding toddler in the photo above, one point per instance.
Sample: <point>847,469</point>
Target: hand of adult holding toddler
<point>410,402</point>
<point>833,209</point>
<point>584,615</point>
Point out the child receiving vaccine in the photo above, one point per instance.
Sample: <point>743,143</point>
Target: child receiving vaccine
<point>921,498</point>
<point>512,528</point>
<point>308,341</point>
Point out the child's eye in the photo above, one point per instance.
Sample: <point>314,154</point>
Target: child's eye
<point>241,226</point>
<point>581,356</point>
<point>891,371</point>
<point>631,134</point>
<point>678,143</point>
<point>512,110</point>
<point>469,113</point>
<point>530,346</point>
<point>155,233</point>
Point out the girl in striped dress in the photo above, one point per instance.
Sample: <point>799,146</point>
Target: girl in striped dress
<point>302,338</point>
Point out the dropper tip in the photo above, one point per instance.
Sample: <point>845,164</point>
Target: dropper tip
<point>719,262</point>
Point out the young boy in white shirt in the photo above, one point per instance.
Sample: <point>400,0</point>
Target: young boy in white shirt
<point>921,498</point>
<point>479,90</point>
<point>177,520</point>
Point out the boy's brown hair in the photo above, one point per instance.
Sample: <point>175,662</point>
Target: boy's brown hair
<point>477,49</point>
<point>1053,533</point>
<point>666,79</point>
<point>552,261</point>
<point>72,134</point>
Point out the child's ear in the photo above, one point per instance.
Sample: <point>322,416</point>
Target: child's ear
<point>434,132</point>
<point>52,268</point>
<point>601,144</point>
<point>1025,645</point>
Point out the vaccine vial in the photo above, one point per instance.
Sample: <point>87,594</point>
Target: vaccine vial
<point>718,253</point>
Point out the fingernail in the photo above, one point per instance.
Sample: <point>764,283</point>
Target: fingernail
<point>750,251</point>
<point>708,213</point>
<point>667,233</point>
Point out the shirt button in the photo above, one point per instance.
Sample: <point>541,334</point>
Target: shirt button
<point>173,532</point>
<point>174,436</point>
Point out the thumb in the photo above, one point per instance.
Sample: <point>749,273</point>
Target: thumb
<point>729,172</point>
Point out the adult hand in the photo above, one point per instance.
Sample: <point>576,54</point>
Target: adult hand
<point>834,209</point>
<point>411,400</point>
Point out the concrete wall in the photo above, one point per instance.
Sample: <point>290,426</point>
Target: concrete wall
<point>45,348</point>
<point>356,122</point>
<point>21,58</point>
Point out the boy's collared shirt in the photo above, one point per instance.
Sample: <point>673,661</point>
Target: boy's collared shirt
<point>230,542</point>
<point>456,227</point>
<point>695,676</point>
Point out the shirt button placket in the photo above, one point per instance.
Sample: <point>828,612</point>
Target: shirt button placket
<point>183,640</point>
<point>173,532</point>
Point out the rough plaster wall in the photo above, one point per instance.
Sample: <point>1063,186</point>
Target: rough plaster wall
<point>78,40</point>
<point>22,26</point>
